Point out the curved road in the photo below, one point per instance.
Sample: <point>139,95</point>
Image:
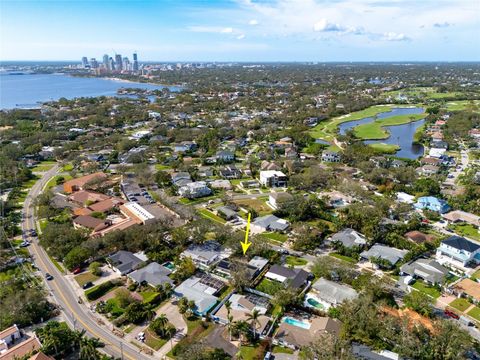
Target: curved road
<point>77,315</point>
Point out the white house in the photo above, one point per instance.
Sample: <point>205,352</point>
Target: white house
<point>194,190</point>
<point>273,178</point>
<point>458,252</point>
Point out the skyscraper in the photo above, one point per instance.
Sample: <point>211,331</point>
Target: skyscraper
<point>106,62</point>
<point>126,64</point>
<point>84,62</point>
<point>118,62</point>
<point>135,62</point>
<point>93,63</point>
<point>111,64</point>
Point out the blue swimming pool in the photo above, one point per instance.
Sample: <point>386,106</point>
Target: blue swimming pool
<point>295,322</point>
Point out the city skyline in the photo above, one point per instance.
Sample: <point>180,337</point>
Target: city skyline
<point>243,30</point>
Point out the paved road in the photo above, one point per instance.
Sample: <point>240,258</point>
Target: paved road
<point>77,315</point>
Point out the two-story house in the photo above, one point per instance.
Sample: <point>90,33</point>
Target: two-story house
<point>273,178</point>
<point>458,252</point>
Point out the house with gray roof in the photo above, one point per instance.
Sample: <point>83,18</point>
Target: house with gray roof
<point>204,255</point>
<point>124,262</point>
<point>349,238</point>
<point>196,290</point>
<point>426,269</point>
<point>268,223</point>
<point>153,274</point>
<point>291,278</point>
<point>383,252</point>
<point>330,293</point>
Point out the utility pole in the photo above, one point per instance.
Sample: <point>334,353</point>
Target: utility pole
<point>74,321</point>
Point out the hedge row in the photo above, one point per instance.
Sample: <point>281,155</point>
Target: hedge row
<point>99,290</point>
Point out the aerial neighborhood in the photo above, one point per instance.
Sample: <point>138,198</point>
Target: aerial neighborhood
<point>137,208</point>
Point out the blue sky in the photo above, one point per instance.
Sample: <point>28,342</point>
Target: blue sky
<point>242,30</point>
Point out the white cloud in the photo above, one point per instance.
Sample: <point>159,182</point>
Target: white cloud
<point>241,36</point>
<point>392,36</point>
<point>324,25</point>
<point>211,29</point>
<point>253,22</point>
<point>227,30</point>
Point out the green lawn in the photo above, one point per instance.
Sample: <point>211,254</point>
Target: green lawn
<point>281,350</point>
<point>344,258</point>
<point>57,264</point>
<point>148,295</point>
<point>281,238</point>
<point>385,148</point>
<point>475,275</point>
<point>295,261</point>
<point>374,130</point>
<point>467,230</point>
<point>53,181</point>
<point>251,352</point>
<point>162,167</point>
<point>67,167</point>
<point>85,277</point>
<point>269,287</point>
<point>151,340</point>
<point>211,216</point>
<point>116,309</point>
<point>421,286</point>
<point>460,304</point>
<point>258,204</point>
<point>475,313</point>
<point>44,166</point>
<point>473,105</point>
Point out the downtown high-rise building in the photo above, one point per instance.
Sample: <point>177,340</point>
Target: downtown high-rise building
<point>84,62</point>
<point>118,62</point>
<point>126,64</point>
<point>106,62</point>
<point>93,63</point>
<point>135,62</point>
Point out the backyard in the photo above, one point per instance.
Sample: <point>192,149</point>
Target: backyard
<point>85,277</point>
<point>429,290</point>
<point>256,204</point>
<point>269,287</point>
<point>460,304</point>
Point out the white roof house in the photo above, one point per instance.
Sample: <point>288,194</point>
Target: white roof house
<point>201,294</point>
<point>139,212</point>
<point>405,198</point>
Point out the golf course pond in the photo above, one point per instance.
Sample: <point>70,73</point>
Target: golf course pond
<point>395,127</point>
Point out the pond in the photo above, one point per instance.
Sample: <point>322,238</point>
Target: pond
<point>401,135</point>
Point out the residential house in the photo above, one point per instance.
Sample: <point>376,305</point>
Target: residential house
<point>241,306</point>
<point>336,199</point>
<point>230,172</point>
<point>295,336</point>
<point>349,238</point>
<point>201,290</point>
<point>383,252</point>
<point>221,184</point>
<point>204,255</point>
<point>459,216</point>
<point>273,178</point>
<point>458,252</point>
<point>194,190</point>
<point>138,213</point>
<point>291,153</point>
<point>427,269</point>
<point>427,170</point>
<point>405,198</point>
<point>181,178</point>
<point>418,237</point>
<point>226,213</point>
<point>268,223</point>
<point>153,274</point>
<point>331,156</point>
<point>77,184</point>
<point>15,345</point>
<point>326,294</point>
<point>224,156</point>
<point>253,268</point>
<point>124,262</point>
<point>291,278</point>
<point>267,165</point>
<point>277,199</point>
<point>432,203</point>
<point>468,288</point>
<point>90,223</point>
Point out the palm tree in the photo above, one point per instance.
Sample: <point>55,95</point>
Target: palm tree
<point>253,317</point>
<point>159,325</point>
<point>150,312</point>
<point>88,348</point>
<point>228,306</point>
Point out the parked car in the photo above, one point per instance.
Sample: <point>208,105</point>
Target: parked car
<point>48,276</point>
<point>24,244</point>
<point>141,336</point>
<point>77,270</point>
<point>87,285</point>
<point>451,314</point>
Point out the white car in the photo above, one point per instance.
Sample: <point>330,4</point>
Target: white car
<point>141,336</point>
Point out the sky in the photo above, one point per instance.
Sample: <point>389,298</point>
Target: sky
<point>242,30</point>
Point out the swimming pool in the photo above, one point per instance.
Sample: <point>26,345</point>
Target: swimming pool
<point>169,265</point>
<point>295,322</point>
<point>315,303</point>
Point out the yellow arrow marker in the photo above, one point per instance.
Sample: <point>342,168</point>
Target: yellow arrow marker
<point>246,244</point>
